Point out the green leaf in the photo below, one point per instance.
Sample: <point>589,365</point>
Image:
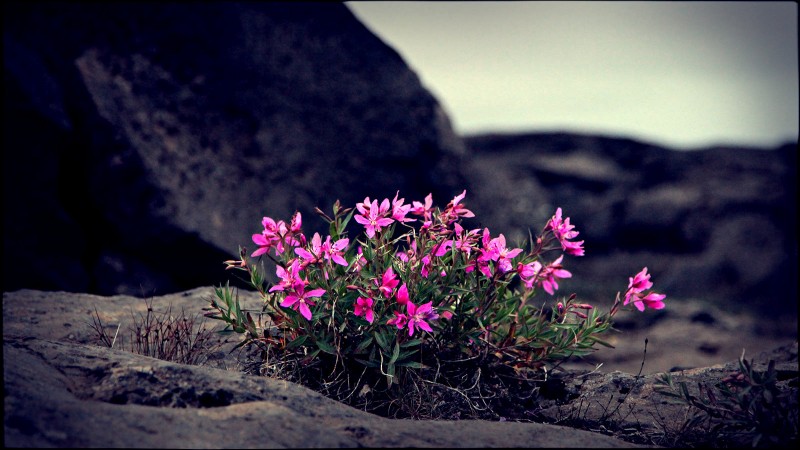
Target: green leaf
<point>364,344</point>
<point>411,343</point>
<point>395,353</point>
<point>347,219</point>
<point>367,363</point>
<point>412,364</point>
<point>300,340</point>
<point>325,347</point>
<point>381,340</point>
<point>601,342</point>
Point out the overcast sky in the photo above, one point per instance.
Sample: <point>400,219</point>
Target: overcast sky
<point>683,74</point>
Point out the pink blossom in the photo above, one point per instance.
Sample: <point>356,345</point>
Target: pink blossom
<point>425,210</point>
<point>456,210</point>
<point>415,317</point>
<point>297,223</point>
<point>288,276</point>
<point>402,295</point>
<point>373,216</point>
<point>264,244</point>
<point>442,248</point>
<point>400,320</point>
<point>495,250</point>
<point>651,300</point>
<point>529,273</point>
<point>563,231</point>
<point>360,261</point>
<point>635,294</point>
<point>276,234</point>
<point>400,210</point>
<point>333,251</point>
<point>419,315</point>
<point>315,253</point>
<point>426,264</point>
<point>640,282</point>
<point>548,275</point>
<point>363,307</point>
<point>465,241</point>
<point>389,281</point>
<point>300,300</point>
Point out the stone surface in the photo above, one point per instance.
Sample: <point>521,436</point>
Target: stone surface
<point>629,402</point>
<point>62,391</point>
<point>146,135</point>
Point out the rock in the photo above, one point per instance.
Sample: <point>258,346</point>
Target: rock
<point>716,224</point>
<point>60,390</point>
<point>146,136</point>
<point>633,405</point>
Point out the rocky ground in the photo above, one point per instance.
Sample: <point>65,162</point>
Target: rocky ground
<point>64,389</point>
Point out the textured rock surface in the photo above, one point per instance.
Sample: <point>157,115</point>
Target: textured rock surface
<point>150,134</point>
<point>64,390</point>
<point>61,391</point>
<point>628,402</point>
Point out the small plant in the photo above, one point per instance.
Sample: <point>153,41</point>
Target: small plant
<point>745,408</point>
<point>414,291</point>
<point>176,338</point>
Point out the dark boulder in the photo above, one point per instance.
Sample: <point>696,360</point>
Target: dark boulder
<point>144,142</point>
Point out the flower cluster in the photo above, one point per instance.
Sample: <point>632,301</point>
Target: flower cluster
<point>418,279</point>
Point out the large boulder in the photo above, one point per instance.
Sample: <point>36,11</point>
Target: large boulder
<point>144,142</point>
<point>717,224</point>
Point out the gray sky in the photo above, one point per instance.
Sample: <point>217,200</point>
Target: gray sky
<point>684,74</point>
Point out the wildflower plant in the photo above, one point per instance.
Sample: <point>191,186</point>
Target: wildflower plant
<point>414,286</point>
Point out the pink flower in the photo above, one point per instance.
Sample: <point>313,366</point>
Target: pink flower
<point>315,253</point>
<point>534,274</point>
<point>288,276</point>
<point>456,210</point>
<point>495,250</point>
<point>563,231</point>
<point>264,244</point>
<point>402,295</point>
<point>637,284</point>
<point>300,300</point>
<point>360,261</point>
<point>465,241</point>
<point>651,300</point>
<point>400,320</point>
<point>415,317</point>
<point>276,234</point>
<point>389,281</point>
<point>425,210</point>
<point>363,307</point>
<point>529,273</point>
<point>297,223</point>
<point>548,275</point>
<point>426,265</point>
<point>419,315</point>
<point>373,216</point>
<point>399,210</point>
<point>333,251</point>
